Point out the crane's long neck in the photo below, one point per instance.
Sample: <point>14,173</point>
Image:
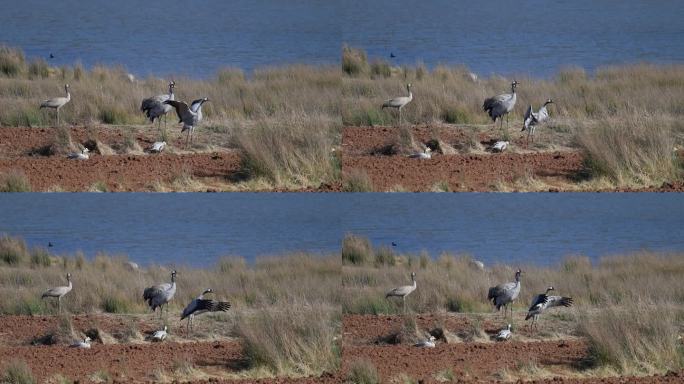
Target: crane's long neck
<point>69,284</point>
<point>171,95</point>
<point>410,94</point>
<point>68,94</point>
<point>513,89</point>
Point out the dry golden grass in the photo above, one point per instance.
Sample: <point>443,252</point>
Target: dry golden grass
<point>272,290</point>
<point>627,119</point>
<point>630,308</point>
<point>284,120</point>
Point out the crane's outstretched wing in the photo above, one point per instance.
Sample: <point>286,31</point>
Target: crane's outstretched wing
<point>182,109</point>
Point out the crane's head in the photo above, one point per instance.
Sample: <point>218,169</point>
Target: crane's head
<point>68,276</point>
<point>509,327</point>
<point>85,150</point>
<point>428,149</point>
<point>432,338</point>
<point>173,274</point>
<point>550,288</point>
<point>517,274</point>
<point>413,275</point>
<point>208,290</point>
<point>172,84</point>
<point>548,101</point>
<point>408,86</point>
<point>205,99</point>
<point>87,339</point>
<point>66,86</point>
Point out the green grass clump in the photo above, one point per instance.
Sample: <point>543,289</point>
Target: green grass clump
<point>12,250</point>
<point>38,68</point>
<point>354,61</point>
<point>115,304</point>
<point>115,115</point>
<point>381,68</point>
<point>14,181</point>
<point>363,372</point>
<point>356,180</point>
<point>12,61</point>
<point>18,372</point>
<point>40,257</point>
<point>356,249</point>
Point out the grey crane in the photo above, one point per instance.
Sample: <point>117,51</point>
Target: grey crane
<point>59,292</point>
<point>57,102</point>
<point>189,116</point>
<point>399,102</point>
<point>201,305</point>
<point>83,155</point>
<point>543,301</point>
<point>532,119</point>
<point>504,334</point>
<point>158,295</point>
<point>403,291</point>
<point>154,107</point>
<point>504,294</point>
<point>501,105</point>
<point>85,343</point>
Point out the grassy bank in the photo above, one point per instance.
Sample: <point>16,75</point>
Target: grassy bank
<point>261,295</point>
<point>284,120</point>
<point>630,307</point>
<point>627,119</point>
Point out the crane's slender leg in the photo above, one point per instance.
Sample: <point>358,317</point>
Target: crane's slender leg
<point>58,117</point>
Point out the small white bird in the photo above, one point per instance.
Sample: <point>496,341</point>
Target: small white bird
<point>157,147</point>
<point>82,344</point>
<point>83,155</point>
<point>500,146</point>
<point>160,335</point>
<point>427,154</point>
<point>428,343</point>
<point>504,334</point>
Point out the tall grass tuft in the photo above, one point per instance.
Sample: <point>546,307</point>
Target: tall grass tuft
<point>14,181</point>
<point>363,372</point>
<point>289,153</point>
<point>635,338</point>
<point>17,372</point>
<point>290,341</point>
<point>631,150</point>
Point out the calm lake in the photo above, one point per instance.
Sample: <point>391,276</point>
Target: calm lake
<point>196,229</point>
<point>196,38</point>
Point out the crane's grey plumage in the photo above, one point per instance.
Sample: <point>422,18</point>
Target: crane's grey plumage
<point>189,116</point>
<point>201,305</point>
<point>504,294</point>
<point>85,343</point>
<point>161,294</point>
<point>154,107</point>
<point>403,291</point>
<point>59,292</point>
<point>160,335</point>
<point>399,102</point>
<point>543,301</point>
<point>500,105</point>
<point>83,155</point>
<point>57,102</point>
<point>532,119</point>
<point>504,334</point>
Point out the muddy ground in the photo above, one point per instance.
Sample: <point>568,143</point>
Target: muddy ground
<point>463,161</point>
<point>119,160</point>
<point>121,352</point>
<point>466,351</point>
